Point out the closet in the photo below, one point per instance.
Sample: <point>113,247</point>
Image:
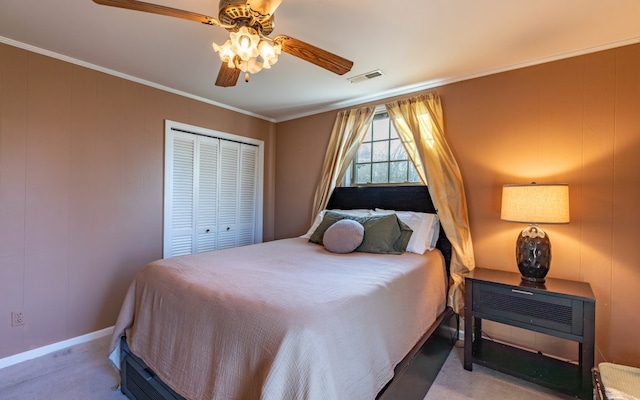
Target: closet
<point>213,190</point>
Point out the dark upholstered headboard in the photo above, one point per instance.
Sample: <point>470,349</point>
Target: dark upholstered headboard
<point>399,198</point>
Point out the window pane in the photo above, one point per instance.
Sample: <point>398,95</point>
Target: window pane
<point>367,136</point>
<point>363,173</point>
<point>381,151</point>
<point>364,153</point>
<point>381,129</point>
<point>397,151</point>
<point>393,132</point>
<point>380,173</point>
<point>413,174</point>
<point>398,171</point>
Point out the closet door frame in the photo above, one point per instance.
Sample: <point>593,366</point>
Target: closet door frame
<point>173,126</point>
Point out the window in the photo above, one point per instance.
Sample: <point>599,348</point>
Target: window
<point>381,157</point>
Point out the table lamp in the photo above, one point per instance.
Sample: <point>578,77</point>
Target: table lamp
<point>535,204</point>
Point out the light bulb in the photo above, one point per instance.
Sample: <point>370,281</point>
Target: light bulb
<point>245,42</point>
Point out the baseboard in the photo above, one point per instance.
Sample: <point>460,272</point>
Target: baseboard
<point>44,350</point>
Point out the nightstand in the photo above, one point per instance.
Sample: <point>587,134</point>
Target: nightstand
<point>559,307</point>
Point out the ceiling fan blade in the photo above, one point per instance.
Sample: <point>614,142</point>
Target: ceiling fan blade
<point>227,76</point>
<point>264,7</point>
<point>158,9</point>
<point>315,55</point>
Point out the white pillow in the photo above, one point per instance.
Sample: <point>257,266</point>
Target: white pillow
<point>318,220</point>
<point>425,227</point>
<point>343,236</point>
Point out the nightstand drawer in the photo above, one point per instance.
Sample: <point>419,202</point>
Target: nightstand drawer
<point>528,308</point>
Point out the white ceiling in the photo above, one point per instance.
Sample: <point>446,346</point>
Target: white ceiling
<point>416,43</point>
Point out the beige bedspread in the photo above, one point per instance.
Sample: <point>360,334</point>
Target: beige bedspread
<point>280,320</point>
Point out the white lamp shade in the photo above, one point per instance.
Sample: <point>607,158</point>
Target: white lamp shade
<point>533,203</point>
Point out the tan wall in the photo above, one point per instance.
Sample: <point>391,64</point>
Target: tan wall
<point>81,183</point>
<point>573,121</point>
<point>301,147</point>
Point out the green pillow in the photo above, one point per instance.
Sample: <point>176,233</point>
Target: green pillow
<point>405,236</point>
<point>329,218</point>
<point>384,234</point>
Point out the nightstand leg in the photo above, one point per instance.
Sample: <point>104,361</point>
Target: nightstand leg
<point>587,348</point>
<point>477,330</point>
<point>468,326</point>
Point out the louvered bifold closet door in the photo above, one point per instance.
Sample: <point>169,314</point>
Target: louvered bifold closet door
<point>229,194</point>
<point>206,191</point>
<point>212,187</point>
<point>180,219</point>
<point>247,197</point>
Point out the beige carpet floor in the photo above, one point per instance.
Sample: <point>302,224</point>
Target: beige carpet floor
<point>83,372</point>
<point>455,383</point>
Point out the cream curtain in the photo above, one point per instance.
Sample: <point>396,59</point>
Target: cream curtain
<point>419,123</point>
<point>348,132</point>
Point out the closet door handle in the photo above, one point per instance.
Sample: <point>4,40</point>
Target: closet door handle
<point>207,231</point>
<point>228,228</point>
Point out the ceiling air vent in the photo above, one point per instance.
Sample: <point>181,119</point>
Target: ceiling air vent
<point>366,76</point>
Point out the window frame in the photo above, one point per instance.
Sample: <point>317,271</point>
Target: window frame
<point>350,175</point>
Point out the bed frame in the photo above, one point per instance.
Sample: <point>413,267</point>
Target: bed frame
<point>138,382</point>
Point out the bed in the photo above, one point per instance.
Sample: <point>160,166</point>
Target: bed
<point>284,319</point>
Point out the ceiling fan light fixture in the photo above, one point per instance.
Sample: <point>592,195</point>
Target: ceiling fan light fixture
<point>269,53</point>
<point>244,47</point>
<point>226,53</point>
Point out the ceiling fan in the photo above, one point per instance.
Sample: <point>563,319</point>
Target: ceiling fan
<point>249,48</point>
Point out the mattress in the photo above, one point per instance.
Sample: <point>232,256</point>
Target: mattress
<point>280,320</point>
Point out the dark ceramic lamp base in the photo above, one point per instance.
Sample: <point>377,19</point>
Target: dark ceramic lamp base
<point>533,254</point>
